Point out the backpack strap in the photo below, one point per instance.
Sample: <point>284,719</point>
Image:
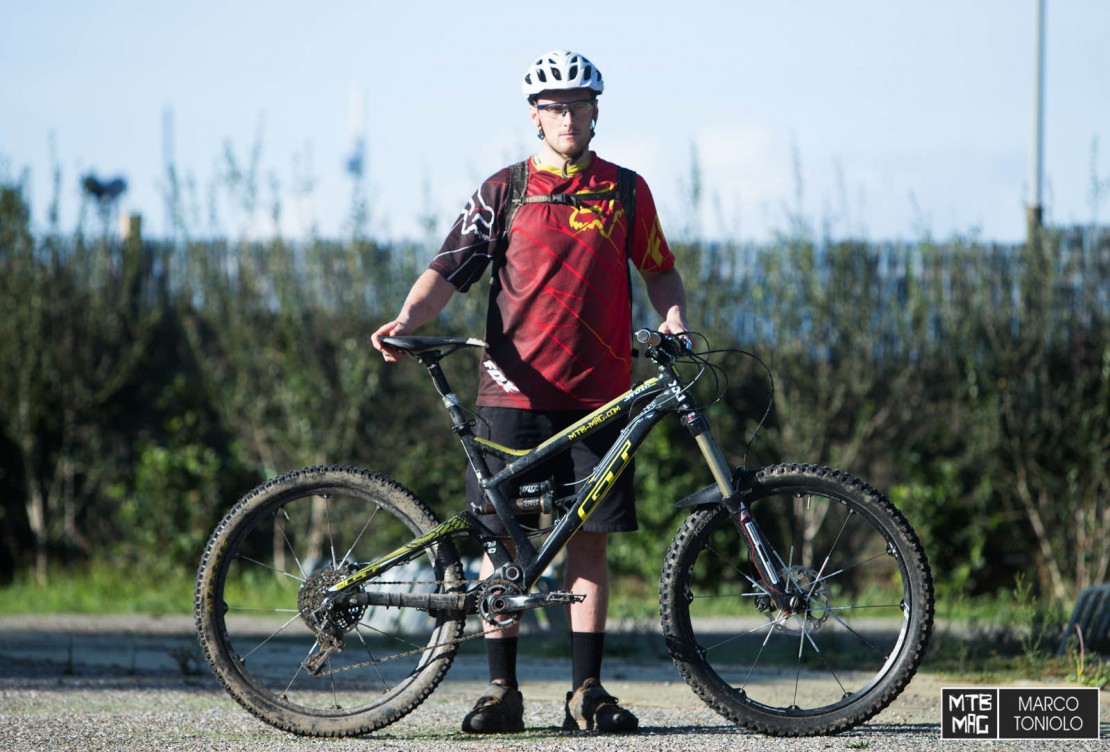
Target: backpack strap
<point>626,190</point>
<point>518,185</point>
<point>626,194</point>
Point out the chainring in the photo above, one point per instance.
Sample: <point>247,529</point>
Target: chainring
<point>492,589</point>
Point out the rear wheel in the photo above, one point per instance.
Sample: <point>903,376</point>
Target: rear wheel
<point>262,613</point>
<point>853,636</point>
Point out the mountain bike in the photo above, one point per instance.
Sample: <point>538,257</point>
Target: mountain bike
<point>794,599</point>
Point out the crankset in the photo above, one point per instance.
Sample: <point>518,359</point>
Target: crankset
<point>502,603</point>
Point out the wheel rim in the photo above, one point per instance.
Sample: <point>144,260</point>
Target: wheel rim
<point>267,595</point>
<point>844,639</point>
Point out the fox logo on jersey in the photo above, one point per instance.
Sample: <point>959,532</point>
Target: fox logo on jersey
<point>477,217</point>
<point>603,216</point>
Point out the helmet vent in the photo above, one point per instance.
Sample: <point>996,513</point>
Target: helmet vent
<point>561,70</point>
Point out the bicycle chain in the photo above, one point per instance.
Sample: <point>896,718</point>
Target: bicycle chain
<point>398,656</point>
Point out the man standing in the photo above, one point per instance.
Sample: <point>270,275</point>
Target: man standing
<point>558,329</point>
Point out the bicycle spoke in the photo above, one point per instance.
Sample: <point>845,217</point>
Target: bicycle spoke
<point>273,635</point>
<point>370,655</point>
<point>290,546</point>
<point>331,533</point>
<point>299,654</point>
<point>361,533</point>
<point>809,659</point>
<point>753,581</point>
<point>300,667</point>
<point>271,568</point>
<point>758,655</point>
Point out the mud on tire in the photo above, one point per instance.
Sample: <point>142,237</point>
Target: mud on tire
<point>848,651</point>
<point>299,532</point>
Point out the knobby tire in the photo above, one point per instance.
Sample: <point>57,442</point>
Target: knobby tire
<point>840,659</point>
<point>273,557</point>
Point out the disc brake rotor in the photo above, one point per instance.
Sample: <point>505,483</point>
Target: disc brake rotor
<point>809,609</point>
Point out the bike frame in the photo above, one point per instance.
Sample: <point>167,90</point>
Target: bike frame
<point>593,491</point>
<point>667,395</point>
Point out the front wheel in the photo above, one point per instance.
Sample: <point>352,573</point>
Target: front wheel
<point>854,634</point>
<point>263,614</point>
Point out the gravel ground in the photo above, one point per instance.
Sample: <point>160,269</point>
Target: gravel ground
<point>125,683</point>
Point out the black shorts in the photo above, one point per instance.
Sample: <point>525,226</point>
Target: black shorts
<point>525,429</point>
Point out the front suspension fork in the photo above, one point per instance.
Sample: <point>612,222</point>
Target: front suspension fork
<point>762,553</point>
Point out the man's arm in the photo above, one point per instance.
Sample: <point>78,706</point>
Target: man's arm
<point>428,296</point>
<point>668,297</point>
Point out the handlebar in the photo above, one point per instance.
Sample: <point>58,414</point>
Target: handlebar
<point>671,344</point>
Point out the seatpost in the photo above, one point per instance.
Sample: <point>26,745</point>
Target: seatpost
<point>439,378</point>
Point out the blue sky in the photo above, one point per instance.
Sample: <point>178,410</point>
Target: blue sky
<point>879,120</point>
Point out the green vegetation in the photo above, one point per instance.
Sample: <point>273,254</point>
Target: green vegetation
<point>1007,636</point>
<point>145,386</point>
<point>101,588</point>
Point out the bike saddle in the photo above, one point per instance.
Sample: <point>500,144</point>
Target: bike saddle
<point>416,345</point>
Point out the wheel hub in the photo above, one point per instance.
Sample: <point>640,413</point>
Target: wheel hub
<point>807,602</point>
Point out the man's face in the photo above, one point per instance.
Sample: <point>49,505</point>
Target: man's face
<point>566,118</point>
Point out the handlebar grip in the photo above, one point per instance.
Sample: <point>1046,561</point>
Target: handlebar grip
<point>669,343</point>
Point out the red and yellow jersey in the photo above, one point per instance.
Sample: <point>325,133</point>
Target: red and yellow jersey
<point>559,324</point>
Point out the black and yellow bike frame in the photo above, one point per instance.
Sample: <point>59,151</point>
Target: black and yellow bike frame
<point>663,395</point>
<point>594,490</point>
<point>531,561</point>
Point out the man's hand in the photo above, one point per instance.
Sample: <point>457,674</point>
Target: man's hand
<point>392,329</point>
<point>674,325</point>
<point>428,296</point>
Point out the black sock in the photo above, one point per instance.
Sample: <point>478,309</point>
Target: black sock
<point>501,656</point>
<point>586,649</point>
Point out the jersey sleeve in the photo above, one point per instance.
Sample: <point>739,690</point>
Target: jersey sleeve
<point>650,251</point>
<point>470,244</point>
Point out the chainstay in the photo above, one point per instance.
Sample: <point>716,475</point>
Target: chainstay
<point>416,651</point>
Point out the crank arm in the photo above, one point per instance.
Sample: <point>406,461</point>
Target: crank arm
<point>508,604</point>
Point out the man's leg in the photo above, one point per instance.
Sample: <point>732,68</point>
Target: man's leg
<point>587,573</point>
<point>501,644</point>
<point>589,706</point>
<point>500,709</point>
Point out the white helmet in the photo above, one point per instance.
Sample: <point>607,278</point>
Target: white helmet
<point>561,69</point>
